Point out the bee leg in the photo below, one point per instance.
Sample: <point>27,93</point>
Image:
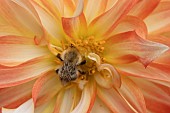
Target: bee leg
<point>83,62</point>
<point>59,57</point>
<point>82,72</point>
<point>57,71</point>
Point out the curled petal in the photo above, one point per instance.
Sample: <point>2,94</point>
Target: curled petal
<point>143,8</point>
<point>133,95</point>
<point>110,78</point>
<point>130,43</point>
<point>27,107</point>
<point>95,58</point>
<point>87,99</point>
<point>75,26</point>
<point>113,100</point>
<point>45,88</point>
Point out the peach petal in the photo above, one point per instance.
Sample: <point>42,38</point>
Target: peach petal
<point>45,88</point>
<point>144,8</point>
<point>100,107</point>
<point>15,51</point>
<point>11,76</point>
<point>158,22</point>
<point>12,97</point>
<point>113,17</point>
<point>133,95</point>
<point>27,107</point>
<point>113,100</point>
<point>154,71</point>
<point>131,23</point>
<point>158,99</point>
<point>50,24</point>
<point>75,26</point>
<point>97,6</point>
<point>130,43</point>
<point>87,99</point>
<point>20,18</point>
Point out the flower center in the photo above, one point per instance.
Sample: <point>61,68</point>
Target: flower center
<point>79,60</point>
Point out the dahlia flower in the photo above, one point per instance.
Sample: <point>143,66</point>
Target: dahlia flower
<point>84,56</point>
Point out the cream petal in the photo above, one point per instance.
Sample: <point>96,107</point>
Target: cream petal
<point>27,107</point>
<point>95,58</point>
<point>100,107</point>
<point>87,99</point>
<point>114,101</point>
<point>45,88</point>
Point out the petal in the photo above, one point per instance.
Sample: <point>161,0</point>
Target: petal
<point>158,22</point>
<point>97,6</point>
<point>157,99</point>
<point>45,88</point>
<point>62,104</point>
<point>131,23</point>
<point>27,107</point>
<point>100,107</point>
<point>129,43</point>
<point>47,107</point>
<point>14,96</point>
<point>154,71</point>
<point>87,98</point>
<point>14,54</point>
<point>95,58</point>
<point>75,26</point>
<point>11,76</point>
<point>113,100</point>
<point>144,8</point>
<point>133,95</point>
<point>21,18</point>
<point>50,24</point>
<point>108,76</point>
<point>113,16</point>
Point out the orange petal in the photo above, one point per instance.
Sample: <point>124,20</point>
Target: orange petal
<point>100,107</point>
<point>153,71</point>
<point>97,6</point>
<point>17,50</point>
<point>62,103</point>
<point>13,97</point>
<point>27,107</point>
<point>75,26</point>
<point>158,22</point>
<point>113,100</point>
<point>21,18</point>
<point>144,8</point>
<point>131,23</point>
<point>133,95</point>
<point>11,76</point>
<point>130,43</point>
<point>157,98</point>
<point>45,88</point>
<point>113,17</point>
<point>87,98</point>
